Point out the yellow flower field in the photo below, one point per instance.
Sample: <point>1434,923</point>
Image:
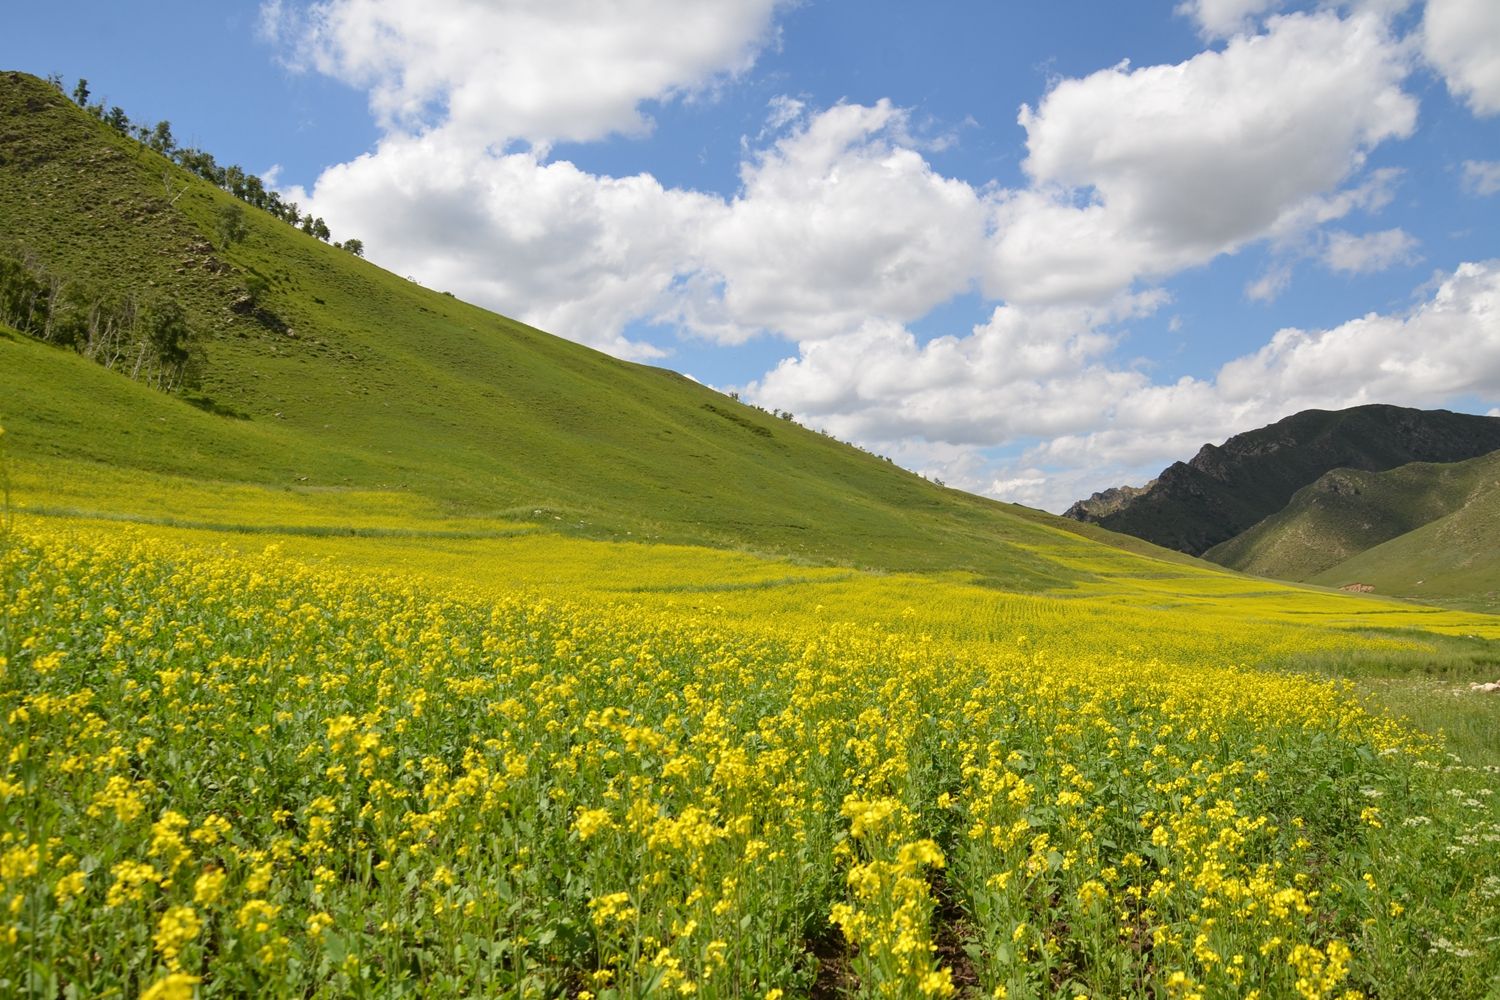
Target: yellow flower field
<point>248,772</point>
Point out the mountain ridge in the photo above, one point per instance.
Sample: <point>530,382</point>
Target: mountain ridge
<point>1226,489</point>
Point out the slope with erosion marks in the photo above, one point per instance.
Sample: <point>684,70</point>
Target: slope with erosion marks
<point>1348,511</point>
<point>1226,489</point>
<point>347,376</point>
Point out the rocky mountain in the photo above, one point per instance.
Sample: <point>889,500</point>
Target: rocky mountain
<point>1107,502</point>
<point>1225,489</point>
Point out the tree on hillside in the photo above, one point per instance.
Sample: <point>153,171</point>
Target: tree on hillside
<point>234,181</point>
<point>356,247</point>
<point>200,163</point>
<point>118,120</point>
<point>161,139</point>
<point>23,297</point>
<point>320,229</point>
<point>81,93</point>
<point>231,225</point>
<point>255,191</point>
<point>68,306</point>
<point>165,341</point>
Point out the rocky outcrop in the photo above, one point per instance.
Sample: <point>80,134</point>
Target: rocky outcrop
<point>1107,502</point>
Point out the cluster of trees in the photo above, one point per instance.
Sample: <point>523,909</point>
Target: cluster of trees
<point>234,179</point>
<point>145,337</point>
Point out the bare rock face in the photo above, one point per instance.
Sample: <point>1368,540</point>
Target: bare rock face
<point>1107,502</point>
<point>1193,506</point>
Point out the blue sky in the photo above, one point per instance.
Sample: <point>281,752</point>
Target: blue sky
<point>1032,249</point>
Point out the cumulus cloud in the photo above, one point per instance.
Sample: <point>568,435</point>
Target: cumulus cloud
<point>1222,18</point>
<point>1029,371</point>
<point>838,223</point>
<point>1042,373</point>
<point>541,70</point>
<point>1140,173</point>
<point>1461,39</point>
<point>1482,177</point>
<point>565,250</point>
<point>1369,253</point>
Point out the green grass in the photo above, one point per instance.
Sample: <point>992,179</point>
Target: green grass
<point>390,386</point>
<point>1423,531</point>
<point>1453,561</point>
<point>1428,682</point>
<point>1349,511</point>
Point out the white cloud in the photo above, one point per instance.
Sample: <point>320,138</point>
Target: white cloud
<point>1142,173</point>
<point>840,222</point>
<point>1029,371</point>
<point>1482,177</point>
<point>1448,346</point>
<point>1274,280</point>
<point>1461,38</point>
<point>568,251</point>
<point>1222,18</point>
<point>1369,253</point>
<point>837,224</point>
<point>541,70</point>
<point>1041,373</point>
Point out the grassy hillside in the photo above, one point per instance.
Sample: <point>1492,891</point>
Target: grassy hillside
<point>1453,561</point>
<point>354,378</point>
<point>1348,511</point>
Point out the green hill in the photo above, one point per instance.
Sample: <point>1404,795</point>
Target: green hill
<point>1424,530</point>
<point>1453,560</point>
<point>1348,511</point>
<point>346,376</point>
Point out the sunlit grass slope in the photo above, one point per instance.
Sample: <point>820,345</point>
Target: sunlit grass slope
<point>1433,523</point>
<point>1349,510</point>
<point>1454,560</point>
<point>384,384</point>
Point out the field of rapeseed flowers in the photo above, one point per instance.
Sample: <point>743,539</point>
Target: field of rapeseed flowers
<point>231,774</point>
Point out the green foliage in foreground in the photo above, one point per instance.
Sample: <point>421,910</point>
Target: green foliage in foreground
<point>254,778</point>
